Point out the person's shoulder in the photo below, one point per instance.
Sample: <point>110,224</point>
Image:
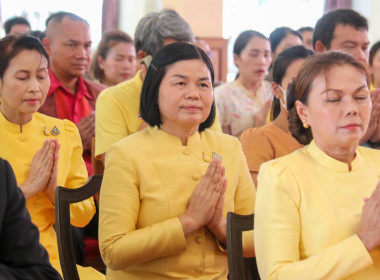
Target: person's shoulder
<point>369,153</point>
<point>124,89</point>
<point>55,126</point>
<point>254,132</point>
<point>289,161</point>
<point>219,137</point>
<point>94,85</point>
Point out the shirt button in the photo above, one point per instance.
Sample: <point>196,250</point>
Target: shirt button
<point>186,152</point>
<point>199,270</point>
<point>28,163</point>
<point>196,176</point>
<point>22,137</point>
<point>206,157</point>
<point>198,239</point>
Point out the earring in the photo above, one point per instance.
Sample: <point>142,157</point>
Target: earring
<point>305,125</point>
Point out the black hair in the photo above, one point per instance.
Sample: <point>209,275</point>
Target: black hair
<point>280,66</point>
<point>325,26</point>
<point>59,16</point>
<point>373,51</point>
<point>14,21</point>
<point>168,55</point>
<point>12,45</point>
<point>305,29</point>
<point>277,35</point>
<point>243,39</point>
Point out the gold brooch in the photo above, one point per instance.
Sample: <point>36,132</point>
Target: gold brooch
<point>55,131</point>
<point>46,130</point>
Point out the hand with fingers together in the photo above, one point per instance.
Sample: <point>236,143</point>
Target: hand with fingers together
<point>86,127</point>
<point>369,231</point>
<point>205,199</point>
<point>52,183</point>
<point>40,169</point>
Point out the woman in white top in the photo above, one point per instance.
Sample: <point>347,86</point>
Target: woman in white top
<point>245,102</point>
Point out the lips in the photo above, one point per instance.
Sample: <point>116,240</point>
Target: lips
<point>192,108</point>
<point>351,126</point>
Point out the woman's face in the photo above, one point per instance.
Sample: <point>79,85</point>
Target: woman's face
<point>290,74</point>
<point>120,63</point>
<point>290,40</point>
<point>338,109</point>
<point>375,68</point>
<point>24,86</point>
<point>185,95</point>
<point>254,60</point>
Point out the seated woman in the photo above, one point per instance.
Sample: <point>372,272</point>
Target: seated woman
<point>245,102</point>
<point>310,218</point>
<point>114,60</point>
<point>166,189</point>
<point>274,140</point>
<point>21,254</point>
<point>44,152</point>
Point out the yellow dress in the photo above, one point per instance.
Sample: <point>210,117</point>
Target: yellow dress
<point>308,210</point>
<point>18,144</point>
<point>148,181</point>
<point>118,113</point>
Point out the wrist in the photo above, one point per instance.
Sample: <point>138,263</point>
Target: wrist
<point>219,230</point>
<point>189,224</point>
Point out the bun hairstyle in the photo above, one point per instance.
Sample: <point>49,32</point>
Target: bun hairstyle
<point>301,87</point>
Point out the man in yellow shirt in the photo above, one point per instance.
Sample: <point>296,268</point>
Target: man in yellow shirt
<point>117,107</point>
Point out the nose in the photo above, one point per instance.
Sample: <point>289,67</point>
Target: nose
<point>362,56</point>
<point>33,85</point>
<point>192,92</point>
<point>351,107</point>
<point>81,53</point>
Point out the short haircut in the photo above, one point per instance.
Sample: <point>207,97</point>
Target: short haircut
<point>59,16</point>
<point>277,35</point>
<point>280,65</point>
<point>14,21</point>
<point>155,27</point>
<point>326,25</point>
<point>172,53</point>
<point>243,39</point>
<point>374,49</point>
<point>12,45</point>
<point>300,89</point>
<point>109,39</point>
<point>305,29</point>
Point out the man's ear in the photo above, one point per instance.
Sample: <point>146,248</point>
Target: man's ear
<point>320,47</point>
<point>47,43</point>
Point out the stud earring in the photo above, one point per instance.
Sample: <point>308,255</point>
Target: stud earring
<point>305,125</point>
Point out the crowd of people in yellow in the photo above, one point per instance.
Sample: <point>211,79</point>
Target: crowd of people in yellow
<point>293,139</point>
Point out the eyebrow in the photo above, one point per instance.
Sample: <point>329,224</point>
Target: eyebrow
<point>77,42</point>
<point>339,90</point>
<point>184,77</point>
<point>353,42</point>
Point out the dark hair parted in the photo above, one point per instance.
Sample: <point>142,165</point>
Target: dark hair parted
<point>109,39</point>
<point>373,51</point>
<point>168,55</point>
<point>243,39</point>
<point>300,89</point>
<point>280,66</point>
<point>14,21</point>
<point>325,26</point>
<point>277,35</point>
<point>12,45</point>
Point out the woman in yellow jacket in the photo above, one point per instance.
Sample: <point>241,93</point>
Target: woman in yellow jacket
<point>166,190</point>
<point>318,209</point>
<point>44,152</point>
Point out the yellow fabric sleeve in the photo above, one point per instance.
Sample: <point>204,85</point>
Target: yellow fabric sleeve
<point>277,234</point>
<point>82,212</point>
<point>121,244</point>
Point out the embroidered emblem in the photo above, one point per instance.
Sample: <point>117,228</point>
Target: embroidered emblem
<point>215,155</point>
<point>55,131</point>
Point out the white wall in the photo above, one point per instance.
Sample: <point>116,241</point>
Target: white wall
<point>370,9</point>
